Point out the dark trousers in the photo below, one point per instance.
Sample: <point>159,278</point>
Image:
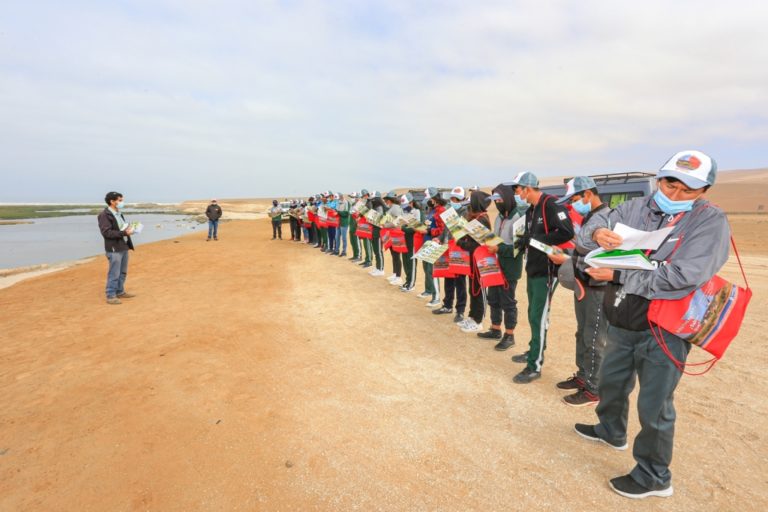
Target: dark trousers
<point>332,239</point>
<point>377,251</point>
<point>477,297</point>
<point>277,229</point>
<point>591,336</point>
<point>313,235</point>
<point>630,355</point>
<point>295,230</point>
<point>503,304</point>
<point>456,286</point>
<point>397,262</point>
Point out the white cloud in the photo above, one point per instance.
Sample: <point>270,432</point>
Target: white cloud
<point>252,98</point>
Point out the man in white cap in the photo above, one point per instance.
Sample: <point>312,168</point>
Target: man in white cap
<point>692,254</point>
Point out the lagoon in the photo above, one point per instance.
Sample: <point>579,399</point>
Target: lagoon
<point>57,239</point>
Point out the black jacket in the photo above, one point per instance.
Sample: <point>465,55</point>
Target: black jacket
<point>213,212</point>
<point>114,239</point>
<point>559,229</point>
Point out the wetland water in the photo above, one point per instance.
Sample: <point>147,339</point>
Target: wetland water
<point>56,239</point>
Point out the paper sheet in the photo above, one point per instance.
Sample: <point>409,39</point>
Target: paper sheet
<point>637,239</point>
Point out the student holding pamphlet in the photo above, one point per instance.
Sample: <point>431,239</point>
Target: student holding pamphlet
<point>501,298</point>
<point>412,239</point>
<point>692,254</point>
<point>591,325</point>
<point>478,202</point>
<point>454,286</point>
<point>392,200</point>
<point>548,223</point>
<point>433,211</point>
<point>377,207</point>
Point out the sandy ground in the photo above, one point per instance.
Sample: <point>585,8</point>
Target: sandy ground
<point>257,375</point>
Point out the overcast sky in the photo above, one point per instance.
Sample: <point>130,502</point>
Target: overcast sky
<point>166,100</point>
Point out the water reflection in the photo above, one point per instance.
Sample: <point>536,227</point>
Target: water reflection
<point>56,239</point>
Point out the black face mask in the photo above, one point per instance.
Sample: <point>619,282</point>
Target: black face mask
<point>430,204</point>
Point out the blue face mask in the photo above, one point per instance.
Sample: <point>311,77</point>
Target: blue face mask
<point>120,205</point>
<point>670,207</point>
<point>455,206</point>
<point>520,202</point>
<point>581,208</point>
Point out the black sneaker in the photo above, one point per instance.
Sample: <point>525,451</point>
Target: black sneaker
<point>581,398</point>
<point>458,318</point>
<point>442,311</point>
<point>526,376</point>
<point>490,334</point>
<point>521,358</point>
<point>627,487</point>
<point>588,432</point>
<point>508,340</point>
<point>573,382</point>
<point>367,264</point>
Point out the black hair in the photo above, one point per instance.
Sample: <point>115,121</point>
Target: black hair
<point>675,180</point>
<point>593,190</point>
<point>438,199</point>
<point>112,196</point>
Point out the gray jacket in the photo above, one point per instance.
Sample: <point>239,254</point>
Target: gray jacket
<point>394,211</point>
<point>702,251</point>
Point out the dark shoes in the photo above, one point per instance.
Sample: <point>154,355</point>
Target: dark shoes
<point>490,334</point>
<point>521,358</point>
<point>526,376</point>
<point>208,239</point>
<point>458,318</point>
<point>367,264</point>
<point>627,487</point>
<point>125,295</point>
<point>442,311</point>
<point>581,398</point>
<point>508,340</point>
<point>588,432</point>
<point>573,382</point>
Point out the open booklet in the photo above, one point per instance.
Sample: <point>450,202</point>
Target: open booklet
<point>482,234</point>
<point>455,223</point>
<point>631,254</point>
<point>430,251</point>
<point>374,217</point>
<point>137,227</point>
<point>411,220</point>
<point>359,207</point>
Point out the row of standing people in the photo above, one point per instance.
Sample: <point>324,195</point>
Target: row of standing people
<point>614,344</point>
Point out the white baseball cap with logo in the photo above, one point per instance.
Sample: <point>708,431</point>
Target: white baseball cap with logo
<point>458,193</point>
<point>693,168</point>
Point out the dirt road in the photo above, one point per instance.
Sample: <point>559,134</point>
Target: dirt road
<point>257,375</point>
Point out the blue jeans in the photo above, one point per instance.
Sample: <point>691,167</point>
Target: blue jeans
<point>213,228</point>
<point>341,238</point>
<point>118,269</point>
<point>306,234</point>
<point>332,239</point>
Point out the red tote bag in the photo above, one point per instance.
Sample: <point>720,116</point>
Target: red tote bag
<point>488,267</point>
<point>418,241</point>
<point>386,238</point>
<point>398,241</point>
<point>458,260</point>
<point>440,267</point>
<point>709,317</point>
<point>364,229</point>
<point>333,219</point>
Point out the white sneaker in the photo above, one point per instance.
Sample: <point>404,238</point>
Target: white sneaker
<point>396,282</point>
<point>471,326</point>
<point>463,323</point>
<point>406,289</point>
<point>376,273</point>
<point>392,277</point>
<point>434,303</point>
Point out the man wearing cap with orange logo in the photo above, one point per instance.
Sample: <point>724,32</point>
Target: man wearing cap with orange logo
<point>691,255</point>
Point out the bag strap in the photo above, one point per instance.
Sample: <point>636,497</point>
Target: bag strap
<point>658,335</point>
<point>736,252</point>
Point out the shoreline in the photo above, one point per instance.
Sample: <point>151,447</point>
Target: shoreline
<point>13,275</point>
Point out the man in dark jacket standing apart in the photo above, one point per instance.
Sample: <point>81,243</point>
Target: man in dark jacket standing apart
<point>117,241</point>
<point>546,222</point>
<point>213,212</point>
